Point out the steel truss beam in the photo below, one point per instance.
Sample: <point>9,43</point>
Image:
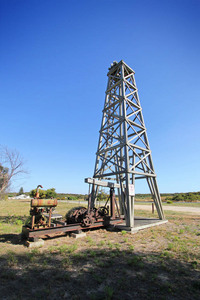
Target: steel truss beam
<point>123,148</point>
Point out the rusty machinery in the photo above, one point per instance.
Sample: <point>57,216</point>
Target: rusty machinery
<point>41,222</point>
<point>41,211</point>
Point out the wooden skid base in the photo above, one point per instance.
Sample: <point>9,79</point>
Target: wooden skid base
<point>59,229</point>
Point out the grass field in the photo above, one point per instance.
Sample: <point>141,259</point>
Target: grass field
<point>162,262</point>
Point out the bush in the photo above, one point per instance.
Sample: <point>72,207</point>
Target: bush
<point>50,193</point>
<point>186,197</point>
<point>169,201</point>
<point>72,198</point>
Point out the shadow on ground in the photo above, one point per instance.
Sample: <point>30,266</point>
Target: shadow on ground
<point>66,273</point>
<point>14,239</point>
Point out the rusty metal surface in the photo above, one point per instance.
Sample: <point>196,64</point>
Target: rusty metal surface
<point>38,232</point>
<point>38,208</point>
<point>44,202</point>
<point>84,216</point>
<point>37,191</point>
<point>38,218</point>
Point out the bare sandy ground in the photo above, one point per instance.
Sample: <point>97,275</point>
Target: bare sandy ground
<point>185,209</point>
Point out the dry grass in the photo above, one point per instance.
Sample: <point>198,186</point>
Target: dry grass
<point>158,263</point>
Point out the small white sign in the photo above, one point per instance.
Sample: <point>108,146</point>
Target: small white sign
<point>131,190</point>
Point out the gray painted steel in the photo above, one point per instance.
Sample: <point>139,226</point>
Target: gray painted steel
<point>123,149</point>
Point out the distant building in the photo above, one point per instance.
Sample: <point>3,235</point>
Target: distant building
<point>23,196</point>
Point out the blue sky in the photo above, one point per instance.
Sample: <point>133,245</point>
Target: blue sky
<point>54,57</point>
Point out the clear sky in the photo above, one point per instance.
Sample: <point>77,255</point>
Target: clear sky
<point>54,57</point>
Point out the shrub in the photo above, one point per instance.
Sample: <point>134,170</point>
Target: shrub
<point>186,197</point>
<point>72,198</point>
<point>50,193</point>
<point>169,201</point>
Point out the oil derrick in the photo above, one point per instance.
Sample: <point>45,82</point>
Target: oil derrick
<point>123,155</point>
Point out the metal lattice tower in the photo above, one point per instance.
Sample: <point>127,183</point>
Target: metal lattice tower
<point>123,153</point>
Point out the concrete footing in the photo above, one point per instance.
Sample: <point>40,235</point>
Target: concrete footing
<point>141,223</point>
<point>77,235</point>
<point>38,243</point>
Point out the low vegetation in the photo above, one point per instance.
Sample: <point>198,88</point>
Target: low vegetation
<point>186,197</point>
<point>103,196</point>
<point>162,262</point>
<point>176,197</point>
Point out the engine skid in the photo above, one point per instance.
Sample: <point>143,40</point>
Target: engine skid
<point>78,218</point>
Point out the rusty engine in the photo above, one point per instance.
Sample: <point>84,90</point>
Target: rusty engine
<point>38,208</point>
<point>44,223</point>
